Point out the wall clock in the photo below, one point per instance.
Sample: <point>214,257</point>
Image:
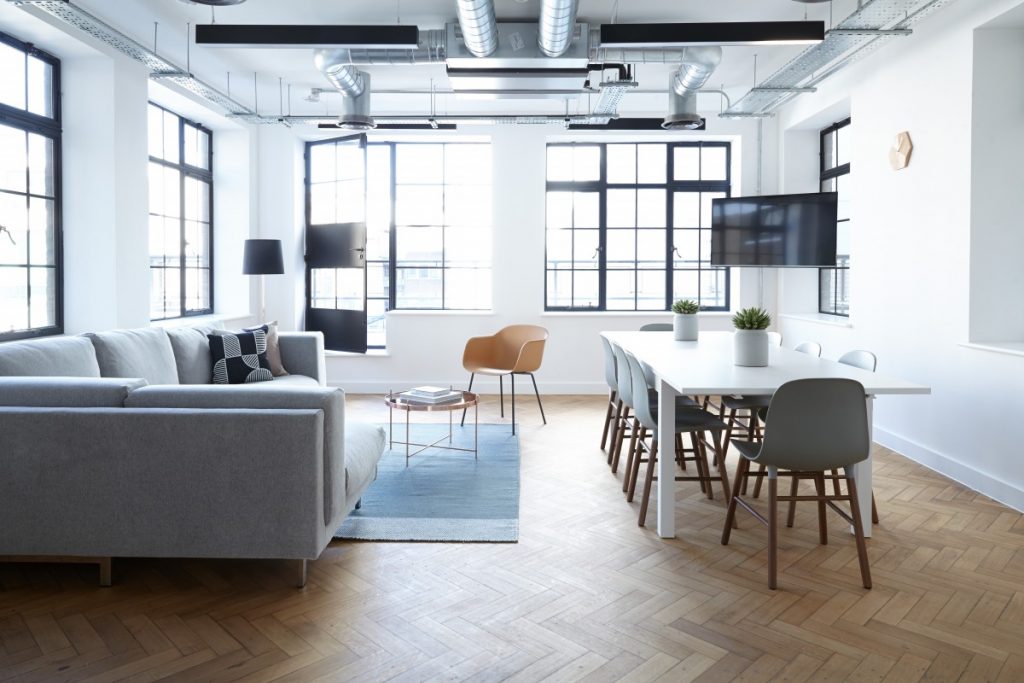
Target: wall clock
<point>899,153</point>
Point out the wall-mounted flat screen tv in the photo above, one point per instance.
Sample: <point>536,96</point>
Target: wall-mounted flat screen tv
<point>786,230</point>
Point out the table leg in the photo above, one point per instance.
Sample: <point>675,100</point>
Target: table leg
<point>666,465</point>
<point>449,427</point>
<point>476,431</point>
<point>407,437</point>
<point>862,475</point>
<point>391,427</point>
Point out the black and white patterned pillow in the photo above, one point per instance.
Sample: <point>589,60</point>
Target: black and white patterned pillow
<point>240,357</point>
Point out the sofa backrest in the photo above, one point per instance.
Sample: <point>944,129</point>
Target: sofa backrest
<point>52,357</point>
<point>66,392</point>
<point>145,352</point>
<point>192,353</point>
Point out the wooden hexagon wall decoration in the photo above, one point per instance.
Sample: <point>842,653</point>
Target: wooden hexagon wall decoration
<point>899,154</point>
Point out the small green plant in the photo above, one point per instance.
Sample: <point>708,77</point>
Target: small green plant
<point>685,306</point>
<point>752,319</point>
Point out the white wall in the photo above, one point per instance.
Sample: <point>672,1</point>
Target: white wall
<point>912,236</point>
<point>426,347</point>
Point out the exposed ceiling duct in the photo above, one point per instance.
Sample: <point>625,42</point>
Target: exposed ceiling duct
<point>698,65</point>
<point>557,26</point>
<point>353,84</point>
<point>869,27</point>
<point>479,26</point>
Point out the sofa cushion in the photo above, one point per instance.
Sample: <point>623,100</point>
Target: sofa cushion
<point>55,356</point>
<point>240,357</point>
<point>364,444</point>
<point>192,353</point>
<point>145,352</point>
<point>273,348</point>
<point>66,392</point>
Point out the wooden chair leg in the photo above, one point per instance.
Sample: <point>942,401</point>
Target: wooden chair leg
<point>620,434</point>
<point>858,531</point>
<point>759,477</point>
<point>723,474</point>
<point>794,488</point>
<point>703,469</point>
<point>634,471</point>
<point>607,419</point>
<point>835,483</point>
<point>652,463</point>
<point>874,509</point>
<point>730,422</point>
<point>106,575</point>
<point>615,430</point>
<point>629,451</point>
<point>773,530</point>
<point>730,515</point>
<point>819,487</point>
<point>680,453</point>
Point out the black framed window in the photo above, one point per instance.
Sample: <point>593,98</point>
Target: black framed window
<point>834,283</point>
<point>31,277</point>
<point>628,225</point>
<point>428,223</point>
<point>180,216</point>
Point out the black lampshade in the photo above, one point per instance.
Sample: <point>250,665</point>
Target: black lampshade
<point>262,257</point>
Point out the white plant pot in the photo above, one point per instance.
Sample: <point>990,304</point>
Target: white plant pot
<point>750,348</point>
<point>684,327</point>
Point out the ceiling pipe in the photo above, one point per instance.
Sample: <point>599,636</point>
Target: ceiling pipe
<point>556,26</point>
<point>479,26</point>
<point>699,62</point>
<point>353,84</point>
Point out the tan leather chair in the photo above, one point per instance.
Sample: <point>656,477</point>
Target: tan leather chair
<point>514,350</point>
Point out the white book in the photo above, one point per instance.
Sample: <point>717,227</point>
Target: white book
<point>428,391</point>
<point>448,397</point>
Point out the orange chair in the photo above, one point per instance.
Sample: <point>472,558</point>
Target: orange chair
<point>514,350</point>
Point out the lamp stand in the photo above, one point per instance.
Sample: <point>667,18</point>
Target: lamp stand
<point>263,300</point>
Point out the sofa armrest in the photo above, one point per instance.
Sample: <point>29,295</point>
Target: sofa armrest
<point>67,392</point>
<point>302,353</point>
<point>162,482</point>
<point>330,400</point>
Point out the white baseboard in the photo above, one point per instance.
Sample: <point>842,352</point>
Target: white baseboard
<point>523,387</point>
<point>979,481</point>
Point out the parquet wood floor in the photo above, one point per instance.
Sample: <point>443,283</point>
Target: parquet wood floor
<point>585,594</point>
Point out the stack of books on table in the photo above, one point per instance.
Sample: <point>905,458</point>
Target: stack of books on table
<point>431,395</point>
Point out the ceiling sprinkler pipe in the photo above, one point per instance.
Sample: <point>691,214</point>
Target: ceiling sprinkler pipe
<point>556,26</point>
<point>479,26</point>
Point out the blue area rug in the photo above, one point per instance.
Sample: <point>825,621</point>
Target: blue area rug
<point>443,495</point>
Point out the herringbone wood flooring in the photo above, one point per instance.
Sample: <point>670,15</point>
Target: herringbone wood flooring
<point>584,595</point>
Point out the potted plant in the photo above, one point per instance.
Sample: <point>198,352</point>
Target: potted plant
<point>684,322</point>
<point>750,341</point>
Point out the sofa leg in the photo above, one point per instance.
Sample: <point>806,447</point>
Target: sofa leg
<point>105,573</point>
<point>301,573</point>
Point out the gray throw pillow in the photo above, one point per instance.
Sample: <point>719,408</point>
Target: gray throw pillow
<point>145,353</point>
<point>273,348</point>
<point>192,353</point>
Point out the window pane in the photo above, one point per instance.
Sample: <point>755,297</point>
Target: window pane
<point>172,292</point>
<point>171,180</point>
<point>650,211</point>
<point>419,205</point>
<point>585,252</point>
<point>586,163</point>
<point>467,288</point>
<point>12,84</point>
<point>197,289</point>
<point>586,210</point>
<point>13,299</point>
<point>351,288</point>
<point>323,283</point>
<point>621,163</point>
<point>650,290</point>
<point>651,163</point>
<point>705,207</point>
<point>322,165</point>
<point>420,246</point>
<point>843,185</point>
<point>467,164</point>
<point>686,210</point>
<point>419,163</point>
<point>40,165</point>
<point>41,232</point>
<point>621,249</point>
<point>828,151</point>
<point>712,288</point>
<point>197,244</point>
<point>687,245</point>
<point>376,323</point>
<point>559,249</point>
<point>843,146</point>
<point>686,161</point>
<point>350,162</point>
<point>377,280</point>
<point>713,163</point>
<point>419,287</point>
<point>351,201</point>
<point>467,206</point>
<point>621,295</point>
<point>13,158</point>
<point>197,147</point>
<point>197,199</point>
<point>686,285</point>
<point>170,137</point>
<point>322,204</point>
<point>155,130</point>
<point>559,288</point>
<point>467,247</point>
<point>650,249</point>
<point>559,162</point>
<point>585,289</point>
<point>14,239</point>
<point>43,298</point>
<point>621,208</point>
<point>559,210</point>
<point>40,88</point>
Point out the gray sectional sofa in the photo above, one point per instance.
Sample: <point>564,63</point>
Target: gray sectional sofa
<point>115,444</point>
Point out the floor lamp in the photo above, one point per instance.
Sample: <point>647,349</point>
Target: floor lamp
<point>262,257</point>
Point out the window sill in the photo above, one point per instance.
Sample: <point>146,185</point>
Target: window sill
<point>819,318</point>
<point>195,320</point>
<point>1007,348</point>
<point>413,312</point>
<point>370,353</point>
<point>630,314</point>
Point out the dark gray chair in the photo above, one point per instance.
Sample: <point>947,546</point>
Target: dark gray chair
<point>817,425</point>
<point>689,420</point>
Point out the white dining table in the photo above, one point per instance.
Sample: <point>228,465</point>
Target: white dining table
<point>705,368</point>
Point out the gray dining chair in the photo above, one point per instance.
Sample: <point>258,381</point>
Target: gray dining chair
<point>775,338</point>
<point>656,327</point>
<point>817,425</point>
<point>810,348</point>
<point>625,423</point>
<point>693,421</point>
<point>614,404</point>
<point>865,360</point>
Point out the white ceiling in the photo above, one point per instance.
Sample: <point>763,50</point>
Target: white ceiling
<point>295,66</point>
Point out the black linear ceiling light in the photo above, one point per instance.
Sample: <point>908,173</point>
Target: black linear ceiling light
<point>715,33</point>
<point>306,35</point>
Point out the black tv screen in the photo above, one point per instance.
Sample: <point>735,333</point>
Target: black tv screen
<point>786,230</point>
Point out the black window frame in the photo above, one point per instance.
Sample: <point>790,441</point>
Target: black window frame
<point>601,186</point>
<point>826,175</point>
<point>204,175</point>
<point>51,128</point>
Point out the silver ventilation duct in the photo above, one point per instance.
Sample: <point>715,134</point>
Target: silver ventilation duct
<point>431,48</point>
<point>557,25</point>
<point>699,62</point>
<point>479,26</point>
<point>353,84</point>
